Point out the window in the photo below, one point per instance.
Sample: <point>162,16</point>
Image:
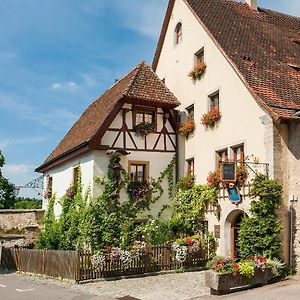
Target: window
<point>178,33</point>
<point>199,57</point>
<point>221,156</point>
<point>190,112</point>
<point>75,175</point>
<point>190,167</point>
<point>49,189</point>
<point>138,171</point>
<point>238,154</point>
<point>214,100</point>
<point>144,115</point>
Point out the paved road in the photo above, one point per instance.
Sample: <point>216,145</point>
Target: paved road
<point>14,287</point>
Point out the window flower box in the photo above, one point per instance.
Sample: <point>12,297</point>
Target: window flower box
<point>211,118</point>
<point>138,190</point>
<point>187,128</point>
<point>241,175</point>
<point>143,129</point>
<point>198,71</point>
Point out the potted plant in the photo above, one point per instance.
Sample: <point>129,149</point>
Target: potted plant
<point>187,128</point>
<point>241,175</point>
<point>209,119</point>
<point>144,128</point>
<point>138,189</point>
<point>213,179</point>
<point>225,274</point>
<point>197,71</point>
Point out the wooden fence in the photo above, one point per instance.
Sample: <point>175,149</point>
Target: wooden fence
<point>77,266</point>
<point>158,258</point>
<point>54,263</point>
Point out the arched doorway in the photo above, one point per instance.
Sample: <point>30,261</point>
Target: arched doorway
<point>232,226</point>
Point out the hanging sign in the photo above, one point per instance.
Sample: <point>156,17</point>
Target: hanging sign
<point>228,172</point>
<point>234,194</point>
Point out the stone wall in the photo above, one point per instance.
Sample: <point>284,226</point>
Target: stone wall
<point>287,171</point>
<point>19,227</point>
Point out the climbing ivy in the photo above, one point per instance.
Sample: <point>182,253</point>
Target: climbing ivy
<point>259,234</point>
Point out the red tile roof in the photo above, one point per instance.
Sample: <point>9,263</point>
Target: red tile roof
<point>260,45</point>
<point>141,85</point>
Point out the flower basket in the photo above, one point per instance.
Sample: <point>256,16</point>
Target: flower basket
<point>187,128</point>
<point>209,119</point>
<point>138,189</point>
<point>241,175</point>
<point>213,179</point>
<point>143,129</point>
<point>198,71</point>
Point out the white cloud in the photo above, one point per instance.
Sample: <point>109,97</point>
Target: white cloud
<point>17,169</point>
<point>67,86</point>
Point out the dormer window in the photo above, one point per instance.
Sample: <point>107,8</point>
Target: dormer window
<point>144,116</point>
<point>178,33</point>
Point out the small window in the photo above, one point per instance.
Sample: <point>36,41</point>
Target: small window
<point>178,33</point>
<point>190,167</point>
<point>214,100</point>
<point>75,175</point>
<point>164,80</point>
<point>190,112</point>
<point>238,154</point>
<point>49,189</point>
<point>144,115</point>
<point>199,57</point>
<point>221,156</point>
<point>138,171</point>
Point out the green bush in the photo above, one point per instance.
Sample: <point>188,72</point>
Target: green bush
<point>259,234</point>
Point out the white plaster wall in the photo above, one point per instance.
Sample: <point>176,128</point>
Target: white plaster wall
<point>241,114</point>
<point>63,175</point>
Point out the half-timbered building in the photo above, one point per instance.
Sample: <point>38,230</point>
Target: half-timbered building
<point>109,125</point>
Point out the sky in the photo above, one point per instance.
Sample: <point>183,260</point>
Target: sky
<point>57,56</point>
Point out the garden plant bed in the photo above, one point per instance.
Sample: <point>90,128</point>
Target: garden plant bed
<point>221,284</point>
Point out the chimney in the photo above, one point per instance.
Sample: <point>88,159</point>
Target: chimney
<point>252,4</point>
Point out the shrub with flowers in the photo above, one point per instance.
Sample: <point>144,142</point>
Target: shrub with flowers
<point>197,71</point>
<point>139,248</point>
<point>185,246</point>
<point>71,191</point>
<point>144,128</point>
<point>187,127</point>
<point>209,119</point>
<point>245,267</point>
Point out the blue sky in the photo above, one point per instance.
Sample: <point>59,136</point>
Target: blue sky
<point>57,56</point>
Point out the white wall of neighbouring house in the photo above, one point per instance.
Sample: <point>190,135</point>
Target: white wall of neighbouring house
<point>243,120</point>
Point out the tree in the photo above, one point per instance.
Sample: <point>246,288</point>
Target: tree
<point>7,189</point>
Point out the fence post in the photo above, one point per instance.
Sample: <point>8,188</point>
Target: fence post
<point>44,263</point>
<point>1,248</point>
<point>77,266</point>
<point>167,255</point>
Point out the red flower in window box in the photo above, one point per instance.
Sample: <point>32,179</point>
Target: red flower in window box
<point>213,179</point>
<point>187,128</point>
<point>209,119</point>
<point>198,71</point>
